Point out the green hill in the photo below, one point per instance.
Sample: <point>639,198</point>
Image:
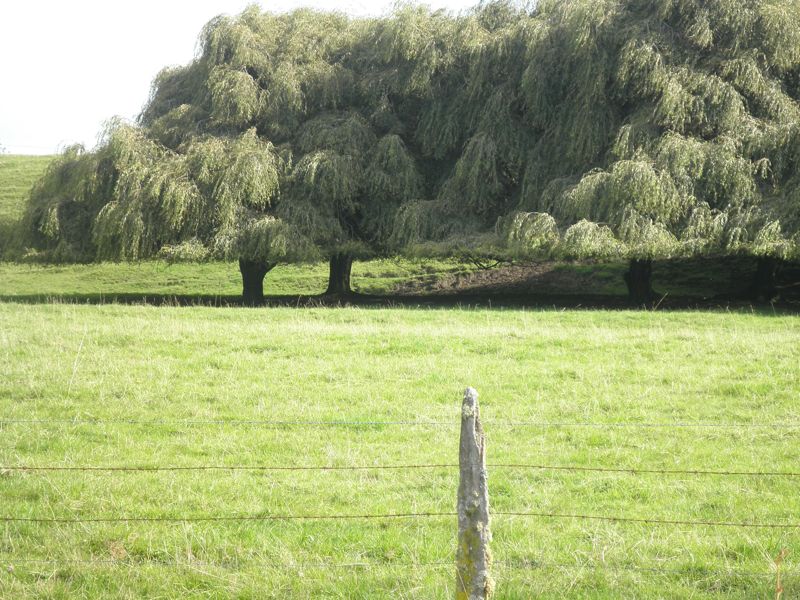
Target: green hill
<point>17,175</point>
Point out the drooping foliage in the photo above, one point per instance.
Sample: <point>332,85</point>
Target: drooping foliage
<point>671,124</point>
<point>582,128</point>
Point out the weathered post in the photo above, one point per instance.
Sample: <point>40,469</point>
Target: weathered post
<point>473,558</point>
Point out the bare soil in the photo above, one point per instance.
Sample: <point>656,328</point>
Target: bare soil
<point>539,278</point>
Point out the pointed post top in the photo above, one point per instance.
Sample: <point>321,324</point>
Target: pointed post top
<point>470,404</point>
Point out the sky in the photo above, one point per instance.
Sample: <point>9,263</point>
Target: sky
<point>68,67</point>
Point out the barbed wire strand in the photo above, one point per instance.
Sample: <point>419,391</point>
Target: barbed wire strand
<point>239,564</point>
<point>127,469</point>
<point>525,565</point>
<point>648,471</point>
<point>269,468</point>
<point>408,423</point>
<point>359,517</point>
<point>648,521</point>
<point>226,518</point>
<point>221,422</point>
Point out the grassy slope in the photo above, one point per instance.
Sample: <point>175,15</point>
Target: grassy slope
<point>113,362</point>
<point>17,175</point>
<point>211,279</point>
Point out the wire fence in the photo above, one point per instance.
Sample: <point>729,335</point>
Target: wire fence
<point>686,571</point>
<point>777,425</point>
<point>227,518</point>
<point>387,516</point>
<point>277,468</point>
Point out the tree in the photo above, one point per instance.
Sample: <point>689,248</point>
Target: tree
<point>597,129</point>
<point>699,156</point>
<point>259,150</point>
<point>140,200</point>
<point>637,130</point>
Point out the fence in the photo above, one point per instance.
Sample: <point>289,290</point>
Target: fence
<point>473,563</point>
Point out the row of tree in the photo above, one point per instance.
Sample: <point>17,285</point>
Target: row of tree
<point>603,129</point>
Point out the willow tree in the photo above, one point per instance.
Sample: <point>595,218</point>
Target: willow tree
<point>272,145</point>
<point>134,199</point>
<point>606,129</point>
<point>698,151</point>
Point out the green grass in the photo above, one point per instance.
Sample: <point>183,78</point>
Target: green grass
<point>17,175</point>
<point>142,363</point>
<point>156,278</point>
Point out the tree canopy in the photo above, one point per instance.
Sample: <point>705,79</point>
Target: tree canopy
<point>576,128</point>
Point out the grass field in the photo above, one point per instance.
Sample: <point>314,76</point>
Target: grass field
<point>218,279</point>
<point>145,386</point>
<point>17,175</point>
<point>176,365</point>
<point>156,281</point>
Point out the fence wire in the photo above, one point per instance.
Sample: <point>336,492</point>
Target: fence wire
<point>125,562</point>
<point>226,518</point>
<point>778,425</point>
<point>647,520</point>
<point>389,516</point>
<point>690,570</point>
<point>407,467</point>
<point>285,424</point>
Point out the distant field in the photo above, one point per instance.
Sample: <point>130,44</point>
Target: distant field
<point>185,368</point>
<point>17,175</point>
<point>158,279</point>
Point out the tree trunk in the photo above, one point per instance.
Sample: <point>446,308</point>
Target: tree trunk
<point>764,287</point>
<point>639,281</point>
<point>339,279</point>
<point>253,274</point>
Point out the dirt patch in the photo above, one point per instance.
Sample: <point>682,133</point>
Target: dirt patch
<point>539,278</point>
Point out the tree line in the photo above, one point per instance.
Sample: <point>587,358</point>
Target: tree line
<point>577,129</point>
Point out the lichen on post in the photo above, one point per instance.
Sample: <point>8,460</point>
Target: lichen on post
<point>473,558</point>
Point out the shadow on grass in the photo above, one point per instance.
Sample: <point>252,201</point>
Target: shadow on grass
<point>482,301</point>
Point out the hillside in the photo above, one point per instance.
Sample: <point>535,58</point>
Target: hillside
<point>17,175</point>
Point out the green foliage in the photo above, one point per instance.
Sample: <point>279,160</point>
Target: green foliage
<point>189,251</point>
<point>236,99</point>
<point>392,172</point>
<point>476,184</point>
<point>529,235</point>
<point>590,240</point>
<point>59,214</point>
<point>644,128</point>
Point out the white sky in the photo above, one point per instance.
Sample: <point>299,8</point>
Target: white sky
<point>67,67</point>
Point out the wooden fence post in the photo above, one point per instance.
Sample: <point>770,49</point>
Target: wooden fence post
<point>473,558</point>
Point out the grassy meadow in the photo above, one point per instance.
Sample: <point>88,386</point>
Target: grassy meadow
<point>221,280</point>
<point>141,386</point>
<point>144,386</point>
<point>17,175</point>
